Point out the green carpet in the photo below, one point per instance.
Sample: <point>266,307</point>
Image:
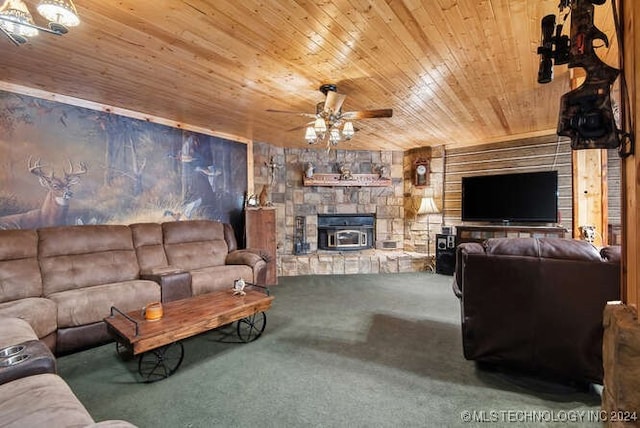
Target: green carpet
<point>338,351</point>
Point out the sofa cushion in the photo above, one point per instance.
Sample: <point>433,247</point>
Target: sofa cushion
<point>40,313</point>
<point>39,401</point>
<point>568,249</point>
<point>19,270</point>
<point>612,253</point>
<point>214,278</point>
<point>73,257</point>
<point>512,247</point>
<point>195,244</point>
<point>147,240</point>
<point>92,304</point>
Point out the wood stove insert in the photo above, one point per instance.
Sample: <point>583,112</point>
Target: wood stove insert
<point>340,232</point>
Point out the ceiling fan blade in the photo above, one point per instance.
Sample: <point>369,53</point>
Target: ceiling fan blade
<point>334,101</point>
<point>367,114</point>
<point>292,112</point>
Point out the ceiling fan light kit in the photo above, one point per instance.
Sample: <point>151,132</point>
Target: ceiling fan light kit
<point>348,131</point>
<point>331,124</point>
<point>16,22</point>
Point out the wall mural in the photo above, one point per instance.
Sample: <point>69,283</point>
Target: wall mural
<point>64,165</point>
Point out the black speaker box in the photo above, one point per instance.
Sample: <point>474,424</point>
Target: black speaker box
<point>445,254</point>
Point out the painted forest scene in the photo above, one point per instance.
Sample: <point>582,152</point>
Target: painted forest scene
<point>67,165</point>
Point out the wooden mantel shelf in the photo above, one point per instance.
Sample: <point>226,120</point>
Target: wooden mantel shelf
<point>363,180</point>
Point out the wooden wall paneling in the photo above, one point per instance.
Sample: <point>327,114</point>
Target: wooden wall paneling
<point>613,184</point>
<point>590,192</point>
<point>631,164</point>
<point>528,155</point>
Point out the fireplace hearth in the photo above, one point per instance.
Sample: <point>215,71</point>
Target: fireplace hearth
<point>350,232</point>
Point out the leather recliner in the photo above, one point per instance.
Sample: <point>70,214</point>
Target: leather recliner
<point>536,304</point>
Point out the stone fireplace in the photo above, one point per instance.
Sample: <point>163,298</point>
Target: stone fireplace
<point>350,232</point>
<point>308,245</point>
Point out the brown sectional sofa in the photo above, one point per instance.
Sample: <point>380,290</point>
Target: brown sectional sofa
<point>64,280</point>
<point>207,250</point>
<point>57,285</point>
<point>536,304</point>
<point>55,405</point>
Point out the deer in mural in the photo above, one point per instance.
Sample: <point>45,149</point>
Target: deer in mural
<point>53,211</point>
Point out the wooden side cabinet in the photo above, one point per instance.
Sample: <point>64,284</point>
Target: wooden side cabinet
<point>260,227</point>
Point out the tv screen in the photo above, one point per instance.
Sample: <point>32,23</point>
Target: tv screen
<point>524,197</point>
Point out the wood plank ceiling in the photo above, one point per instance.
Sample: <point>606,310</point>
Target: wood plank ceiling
<point>455,72</point>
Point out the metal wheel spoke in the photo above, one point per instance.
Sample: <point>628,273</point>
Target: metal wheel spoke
<point>161,363</point>
<point>251,327</point>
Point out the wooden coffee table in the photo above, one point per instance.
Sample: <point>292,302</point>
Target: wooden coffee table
<point>157,343</point>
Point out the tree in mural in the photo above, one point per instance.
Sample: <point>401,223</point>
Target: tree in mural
<point>14,110</point>
<point>122,158</point>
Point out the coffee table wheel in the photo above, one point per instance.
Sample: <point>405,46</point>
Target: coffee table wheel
<point>160,363</point>
<point>124,352</point>
<point>251,327</point>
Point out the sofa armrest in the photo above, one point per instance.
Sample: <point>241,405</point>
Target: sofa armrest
<point>249,257</point>
<point>175,284</point>
<point>27,359</point>
<point>255,258</point>
<point>611,253</point>
<point>461,251</point>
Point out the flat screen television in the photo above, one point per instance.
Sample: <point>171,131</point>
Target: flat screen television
<point>530,197</point>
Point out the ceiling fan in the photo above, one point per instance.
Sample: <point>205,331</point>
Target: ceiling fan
<point>331,124</point>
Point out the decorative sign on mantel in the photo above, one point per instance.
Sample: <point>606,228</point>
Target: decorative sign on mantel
<point>363,180</point>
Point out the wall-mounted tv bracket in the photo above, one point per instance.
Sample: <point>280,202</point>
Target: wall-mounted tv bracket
<point>586,113</point>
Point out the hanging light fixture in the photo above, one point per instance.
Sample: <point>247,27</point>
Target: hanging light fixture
<point>348,131</point>
<point>17,20</point>
<point>316,133</point>
<point>17,23</point>
<point>60,13</point>
<point>320,126</point>
<point>310,135</point>
<point>334,136</point>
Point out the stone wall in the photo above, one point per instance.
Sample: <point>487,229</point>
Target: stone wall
<point>292,199</point>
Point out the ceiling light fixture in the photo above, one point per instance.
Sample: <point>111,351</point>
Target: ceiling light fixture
<point>316,133</point>
<point>17,23</point>
<point>329,123</point>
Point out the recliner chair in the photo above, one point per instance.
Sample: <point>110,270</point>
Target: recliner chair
<point>536,304</point>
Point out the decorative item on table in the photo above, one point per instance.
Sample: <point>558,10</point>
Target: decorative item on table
<point>153,311</point>
<point>238,287</point>
<point>263,198</point>
<point>588,233</point>
<point>252,200</point>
